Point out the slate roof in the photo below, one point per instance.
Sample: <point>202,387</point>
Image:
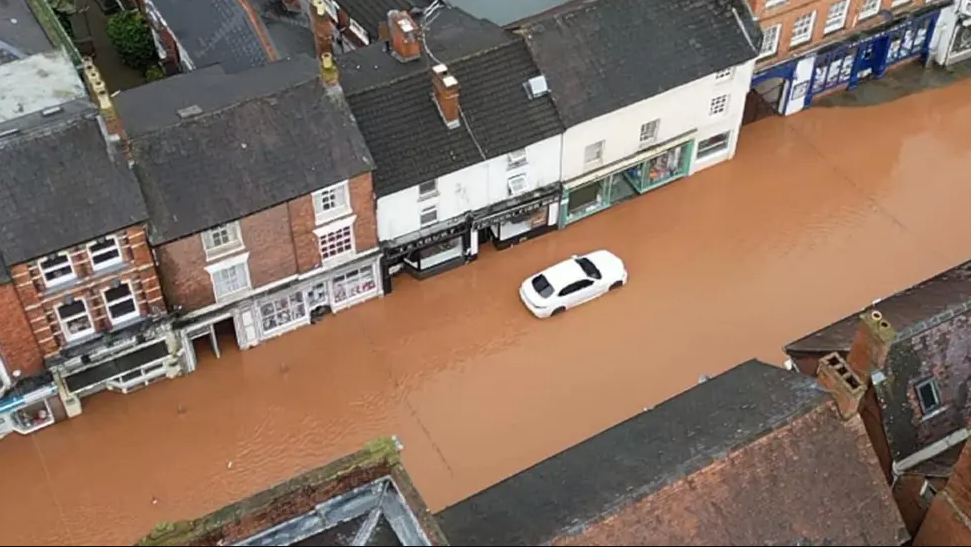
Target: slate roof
<point>948,520</point>
<point>366,498</point>
<point>606,55</point>
<point>369,13</point>
<point>755,456</point>
<point>904,310</point>
<point>393,103</point>
<point>21,34</point>
<point>264,137</point>
<point>507,13</point>
<point>225,32</point>
<point>61,184</point>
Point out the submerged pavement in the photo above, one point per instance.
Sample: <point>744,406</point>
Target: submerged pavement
<point>817,216</point>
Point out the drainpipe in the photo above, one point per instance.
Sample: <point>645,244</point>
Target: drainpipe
<point>930,451</point>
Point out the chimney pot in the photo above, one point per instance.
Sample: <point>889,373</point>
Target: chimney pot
<point>403,33</point>
<point>446,95</point>
<point>322,26</point>
<point>846,389</point>
<point>328,70</point>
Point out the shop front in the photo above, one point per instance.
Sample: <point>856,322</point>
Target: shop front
<point>30,405</point>
<point>433,250</point>
<point>960,45</point>
<point>609,185</point>
<point>847,63</point>
<point>519,218</point>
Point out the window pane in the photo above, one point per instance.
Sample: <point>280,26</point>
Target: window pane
<point>336,243</point>
<point>118,292</point>
<point>125,307</point>
<point>70,310</point>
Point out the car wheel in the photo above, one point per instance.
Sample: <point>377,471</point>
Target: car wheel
<point>617,285</point>
<point>557,311</point>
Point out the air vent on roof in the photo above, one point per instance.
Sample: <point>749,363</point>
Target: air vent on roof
<point>189,111</point>
<point>51,111</point>
<point>8,132</point>
<point>536,87</point>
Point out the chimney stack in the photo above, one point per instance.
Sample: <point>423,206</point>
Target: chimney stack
<point>404,35</point>
<point>323,28</point>
<point>846,388</point>
<point>871,344</point>
<point>99,93</point>
<point>446,95</point>
<point>328,71</point>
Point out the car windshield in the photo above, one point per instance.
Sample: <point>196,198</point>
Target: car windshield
<point>588,267</point>
<point>542,286</point>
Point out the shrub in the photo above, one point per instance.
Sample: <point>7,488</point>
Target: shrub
<point>132,39</point>
<point>153,73</point>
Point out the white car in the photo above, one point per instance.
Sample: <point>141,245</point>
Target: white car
<point>572,282</point>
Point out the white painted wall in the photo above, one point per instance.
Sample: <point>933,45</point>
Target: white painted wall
<point>470,189</point>
<point>680,110</point>
<point>944,33</point>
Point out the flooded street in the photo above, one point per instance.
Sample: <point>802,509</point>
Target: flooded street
<point>817,216</point>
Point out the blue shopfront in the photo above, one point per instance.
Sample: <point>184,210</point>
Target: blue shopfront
<point>848,63</point>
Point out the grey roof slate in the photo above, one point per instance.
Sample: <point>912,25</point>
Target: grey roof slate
<point>264,137</point>
<point>507,12</point>
<point>21,34</point>
<point>369,13</point>
<point>61,183</point>
<point>393,103</point>
<point>220,32</point>
<point>635,458</point>
<point>608,54</point>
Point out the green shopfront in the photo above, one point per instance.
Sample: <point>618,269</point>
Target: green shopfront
<point>647,170</point>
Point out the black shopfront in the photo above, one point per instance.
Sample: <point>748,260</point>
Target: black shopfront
<point>517,219</point>
<point>430,251</point>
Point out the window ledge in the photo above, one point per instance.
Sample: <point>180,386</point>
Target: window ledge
<point>228,263</point>
<point>58,286</point>
<point>336,223</point>
<point>126,322</point>
<point>114,267</point>
<point>933,414</point>
<point>81,339</point>
<point>331,216</point>
<point>221,253</point>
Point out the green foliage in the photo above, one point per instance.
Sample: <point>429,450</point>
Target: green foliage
<point>132,39</point>
<point>153,73</point>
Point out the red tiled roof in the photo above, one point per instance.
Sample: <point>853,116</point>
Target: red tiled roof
<point>948,521</point>
<point>815,481</point>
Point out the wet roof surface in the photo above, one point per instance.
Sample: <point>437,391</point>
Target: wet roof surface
<point>38,82</point>
<point>20,32</point>
<point>504,12</point>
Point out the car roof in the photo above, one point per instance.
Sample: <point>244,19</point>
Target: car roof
<point>564,273</point>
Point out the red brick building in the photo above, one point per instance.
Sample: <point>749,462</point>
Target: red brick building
<point>259,191</point>
<point>83,300</point>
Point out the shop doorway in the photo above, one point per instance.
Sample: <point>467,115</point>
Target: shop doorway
<point>208,341</point>
<point>764,100</point>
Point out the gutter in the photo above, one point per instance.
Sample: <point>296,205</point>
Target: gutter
<point>928,452</point>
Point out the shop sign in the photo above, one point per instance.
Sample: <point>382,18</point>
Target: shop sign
<point>525,208</point>
<point>421,243</point>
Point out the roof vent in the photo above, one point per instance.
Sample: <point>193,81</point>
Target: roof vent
<point>189,111</point>
<point>8,132</point>
<point>536,87</point>
<point>51,111</point>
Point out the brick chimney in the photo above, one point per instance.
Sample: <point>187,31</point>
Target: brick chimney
<point>323,28</point>
<point>292,6</point>
<point>403,35</point>
<point>328,71</point>
<point>845,387</point>
<point>871,344</point>
<point>446,95</point>
<point>99,93</point>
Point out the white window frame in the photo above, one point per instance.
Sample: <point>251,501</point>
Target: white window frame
<point>649,132</point>
<point>337,192</point>
<point>794,40</point>
<point>719,105</point>
<point>423,211</point>
<point>516,159</point>
<point>350,300</point>
<point>774,3</point>
<point>124,318</point>
<point>359,31</point>
<point>868,12</point>
<point>924,410</point>
<point>214,251</point>
<point>704,155</point>
<point>596,160</point>
<point>897,3</point>
<point>68,335</point>
<point>776,33</point>
<point>104,265</point>
<point>232,262</point>
<point>726,74</point>
<point>837,23</point>
<point>324,231</point>
<point>423,191</point>
<point>517,184</point>
<point>58,280</point>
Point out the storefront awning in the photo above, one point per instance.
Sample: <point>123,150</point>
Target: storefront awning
<point>517,206</point>
<point>116,367</point>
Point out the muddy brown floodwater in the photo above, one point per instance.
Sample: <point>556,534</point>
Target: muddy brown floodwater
<point>817,216</point>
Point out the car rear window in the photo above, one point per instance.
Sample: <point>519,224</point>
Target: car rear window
<point>542,286</point>
<point>588,267</point>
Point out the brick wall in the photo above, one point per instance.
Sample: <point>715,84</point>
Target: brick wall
<point>786,14</point>
<point>40,302</point>
<point>362,202</point>
<point>17,343</point>
<point>266,237</point>
<point>302,220</point>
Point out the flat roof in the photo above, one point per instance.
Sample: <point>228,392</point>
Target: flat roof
<point>21,34</point>
<point>505,12</point>
<point>38,82</point>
